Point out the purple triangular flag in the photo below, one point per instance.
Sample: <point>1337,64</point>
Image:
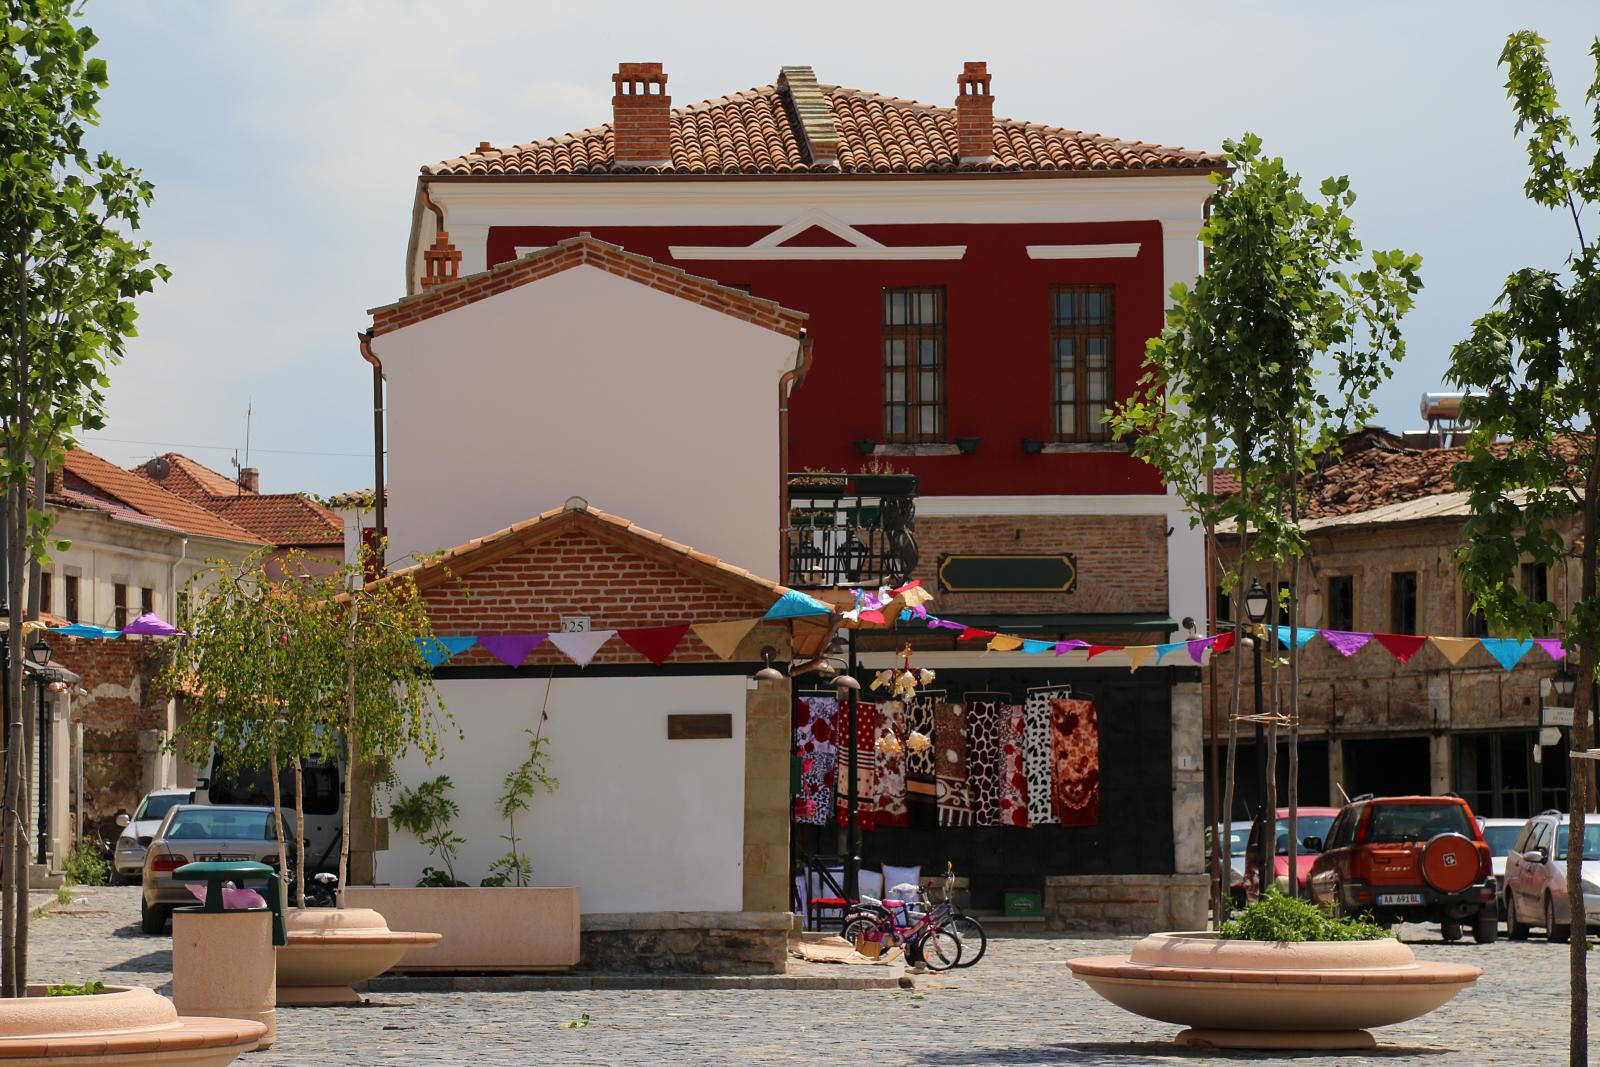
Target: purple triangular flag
<point>511,649</point>
<point>1552,646</point>
<point>152,624</point>
<point>1063,647</point>
<point>1198,646</point>
<point>1346,642</point>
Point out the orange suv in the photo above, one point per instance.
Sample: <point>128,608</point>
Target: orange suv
<point>1408,859</point>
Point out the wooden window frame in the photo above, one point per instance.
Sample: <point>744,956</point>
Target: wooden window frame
<point>70,596</point>
<point>1081,332</point>
<point>46,579</point>
<point>1416,602</point>
<point>1351,622</point>
<point>119,605</point>
<point>147,601</point>
<point>912,403</point>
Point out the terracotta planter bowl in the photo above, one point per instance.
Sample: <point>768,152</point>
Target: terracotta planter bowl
<point>1266,994</point>
<point>125,1024</point>
<point>330,949</point>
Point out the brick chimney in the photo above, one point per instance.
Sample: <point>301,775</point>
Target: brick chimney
<point>250,479</point>
<point>974,114</point>
<point>641,116</point>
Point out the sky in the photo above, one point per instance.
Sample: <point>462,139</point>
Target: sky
<point>284,141</point>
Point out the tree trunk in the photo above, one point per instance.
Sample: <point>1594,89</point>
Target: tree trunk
<point>1225,816</point>
<point>1269,816</point>
<point>283,850</point>
<point>299,833</point>
<point>1294,705</point>
<point>13,965</point>
<point>1582,738</point>
<point>348,779</point>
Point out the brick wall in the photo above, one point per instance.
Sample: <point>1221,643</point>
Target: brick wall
<point>579,574</point>
<point>121,703</point>
<point>1121,560</point>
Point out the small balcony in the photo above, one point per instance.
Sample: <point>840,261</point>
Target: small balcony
<point>850,530</point>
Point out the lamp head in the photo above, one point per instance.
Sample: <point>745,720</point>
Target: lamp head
<point>39,652</point>
<point>1255,601</point>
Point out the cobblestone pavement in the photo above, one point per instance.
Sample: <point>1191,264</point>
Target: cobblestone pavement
<point>1018,1006</point>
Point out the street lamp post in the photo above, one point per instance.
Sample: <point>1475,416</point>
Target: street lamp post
<point>39,656</point>
<point>848,687</point>
<point>1255,606</point>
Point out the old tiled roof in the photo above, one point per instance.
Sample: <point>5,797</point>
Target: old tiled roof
<point>482,551</point>
<point>282,518</point>
<point>754,132</point>
<point>1381,476</point>
<point>85,471</point>
<point>352,498</point>
<point>190,479</point>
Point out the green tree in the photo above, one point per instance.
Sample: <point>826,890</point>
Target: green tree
<point>69,276</point>
<point>1271,355</point>
<point>312,667</point>
<point>1532,467</point>
<point>517,791</point>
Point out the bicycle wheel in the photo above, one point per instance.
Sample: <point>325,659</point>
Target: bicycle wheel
<point>974,942</point>
<point>939,948</point>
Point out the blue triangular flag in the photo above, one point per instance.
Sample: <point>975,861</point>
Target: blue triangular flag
<point>1035,648</point>
<point>793,605</point>
<point>1163,651</point>
<point>439,649</point>
<point>84,629</point>
<point>1508,651</point>
<point>1302,635</point>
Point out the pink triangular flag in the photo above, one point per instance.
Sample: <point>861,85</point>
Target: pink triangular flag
<point>581,647</point>
<point>511,649</point>
<point>1346,642</point>
<point>1552,646</point>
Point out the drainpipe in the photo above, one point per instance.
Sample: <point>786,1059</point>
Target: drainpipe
<point>791,380</point>
<point>172,579</point>
<point>379,490</point>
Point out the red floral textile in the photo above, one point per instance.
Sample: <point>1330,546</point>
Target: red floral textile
<point>889,776</point>
<point>1013,784</point>
<point>1075,748</point>
<point>866,763</point>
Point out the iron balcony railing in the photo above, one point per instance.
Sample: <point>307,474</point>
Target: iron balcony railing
<point>851,530</point>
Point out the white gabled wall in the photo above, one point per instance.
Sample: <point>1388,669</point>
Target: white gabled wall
<point>639,823</point>
<point>582,383</point>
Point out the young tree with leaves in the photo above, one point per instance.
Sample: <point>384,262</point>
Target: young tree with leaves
<point>1264,363</point>
<point>69,275</point>
<point>1532,365</point>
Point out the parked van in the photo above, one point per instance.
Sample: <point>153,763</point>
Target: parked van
<point>324,797</point>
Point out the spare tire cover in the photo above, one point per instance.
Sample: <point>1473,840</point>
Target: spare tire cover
<point>1450,863</point>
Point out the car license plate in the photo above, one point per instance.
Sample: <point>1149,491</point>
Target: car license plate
<point>1399,898</point>
<point>228,858</point>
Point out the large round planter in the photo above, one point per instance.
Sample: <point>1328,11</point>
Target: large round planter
<point>125,1024</point>
<point>330,949</point>
<point>1270,994</point>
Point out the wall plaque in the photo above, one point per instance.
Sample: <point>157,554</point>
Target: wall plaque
<point>1055,572</point>
<point>711,727</point>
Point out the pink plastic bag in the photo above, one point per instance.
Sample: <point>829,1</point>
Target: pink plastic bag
<point>232,899</point>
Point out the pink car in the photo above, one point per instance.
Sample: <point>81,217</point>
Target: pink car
<point>1311,823</point>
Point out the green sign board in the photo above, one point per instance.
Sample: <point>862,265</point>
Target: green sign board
<point>1008,573</point>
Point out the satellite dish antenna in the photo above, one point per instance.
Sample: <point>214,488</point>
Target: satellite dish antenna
<point>159,467</point>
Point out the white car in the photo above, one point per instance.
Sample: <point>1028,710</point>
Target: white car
<point>1535,892</point>
<point>1500,835</point>
<point>128,860</point>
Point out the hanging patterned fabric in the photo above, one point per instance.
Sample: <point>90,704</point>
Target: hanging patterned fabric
<point>1013,786</point>
<point>950,746</point>
<point>983,760</point>
<point>889,777</point>
<point>814,741</point>
<point>922,763</point>
<point>1075,741</point>
<point>1036,754</point>
<point>866,763</point>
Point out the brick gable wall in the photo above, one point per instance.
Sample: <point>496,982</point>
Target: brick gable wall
<point>580,574</point>
<point>578,252</point>
<point>122,704</point>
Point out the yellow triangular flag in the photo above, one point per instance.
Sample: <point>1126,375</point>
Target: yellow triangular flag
<point>1454,647</point>
<point>723,637</point>
<point>1003,643</point>
<point>1137,654</point>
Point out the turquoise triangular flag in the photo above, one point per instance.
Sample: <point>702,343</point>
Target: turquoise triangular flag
<point>793,605</point>
<point>1507,651</point>
<point>1301,636</point>
<point>84,629</point>
<point>439,649</point>
<point>1034,648</point>
<point>1163,651</point>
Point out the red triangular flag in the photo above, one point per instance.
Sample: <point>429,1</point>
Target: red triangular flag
<point>1223,643</point>
<point>972,633</point>
<point>1401,646</point>
<point>1095,650</point>
<point>655,643</point>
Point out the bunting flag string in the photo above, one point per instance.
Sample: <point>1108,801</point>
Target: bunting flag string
<point>438,649</point>
<point>1552,646</point>
<point>723,637</point>
<point>1506,651</point>
<point>654,643</point>
<point>511,649</point>
<point>1401,646</point>
<point>581,647</point>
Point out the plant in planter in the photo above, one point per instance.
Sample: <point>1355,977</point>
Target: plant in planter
<point>425,813</point>
<point>1275,917</point>
<point>516,795</point>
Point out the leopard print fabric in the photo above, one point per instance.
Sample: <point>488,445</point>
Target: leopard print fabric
<point>922,768</point>
<point>889,777</point>
<point>1075,743</point>
<point>984,720</point>
<point>1036,755</point>
<point>950,746</point>
<point>1013,785</point>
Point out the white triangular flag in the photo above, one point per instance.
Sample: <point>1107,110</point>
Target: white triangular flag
<point>581,647</point>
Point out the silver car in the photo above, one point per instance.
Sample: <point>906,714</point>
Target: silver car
<point>1535,890</point>
<point>128,859</point>
<point>1500,835</point>
<point>192,833</point>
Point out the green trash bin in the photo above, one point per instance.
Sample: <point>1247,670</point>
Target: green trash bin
<point>224,961</point>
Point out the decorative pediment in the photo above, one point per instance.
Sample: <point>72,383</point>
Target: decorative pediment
<point>817,235</point>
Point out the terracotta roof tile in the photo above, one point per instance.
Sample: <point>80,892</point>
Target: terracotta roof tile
<point>754,132</point>
<point>85,470</point>
<point>282,518</point>
<point>190,479</point>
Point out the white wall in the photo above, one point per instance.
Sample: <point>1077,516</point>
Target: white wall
<point>639,823</point>
<point>585,384</point>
